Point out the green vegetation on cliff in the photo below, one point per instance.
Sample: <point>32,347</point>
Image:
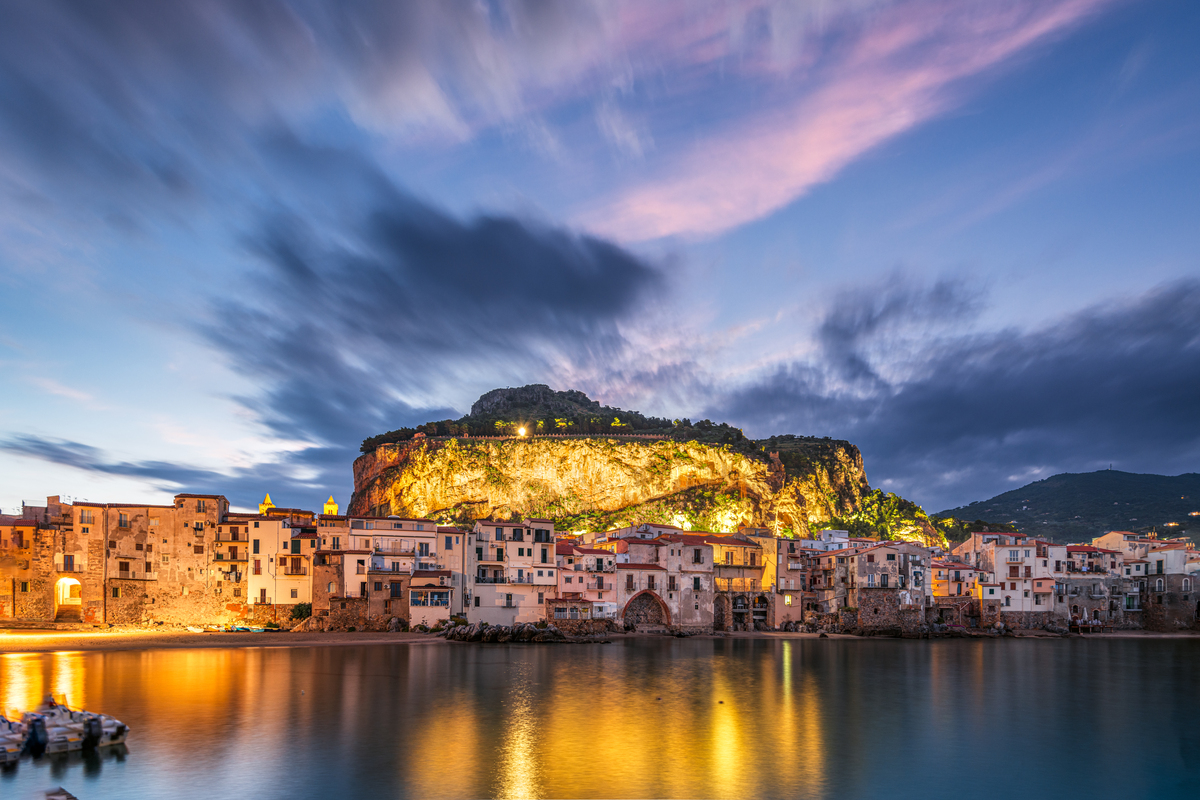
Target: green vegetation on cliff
<point>698,476</point>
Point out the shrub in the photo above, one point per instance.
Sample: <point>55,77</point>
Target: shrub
<point>273,625</point>
<point>301,611</point>
<point>458,619</point>
<point>352,629</point>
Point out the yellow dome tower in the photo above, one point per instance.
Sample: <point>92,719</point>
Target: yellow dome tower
<point>331,507</point>
<point>266,505</point>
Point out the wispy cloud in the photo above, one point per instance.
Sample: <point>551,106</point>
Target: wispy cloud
<point>904,67</point>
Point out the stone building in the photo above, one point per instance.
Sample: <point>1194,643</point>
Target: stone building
<point>124,563</point>
<point>512,569</point>
<point>890,586</point>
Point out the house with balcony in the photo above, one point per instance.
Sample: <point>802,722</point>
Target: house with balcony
<point>513,569</point>
<point>586,574</point>
<point>277,550</point>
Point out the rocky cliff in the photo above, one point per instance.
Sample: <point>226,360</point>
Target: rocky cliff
<point>600,483</point>
<point>563,456</point>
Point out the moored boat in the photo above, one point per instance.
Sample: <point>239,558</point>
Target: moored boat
<point>56,728</point>
<point>12,739</point>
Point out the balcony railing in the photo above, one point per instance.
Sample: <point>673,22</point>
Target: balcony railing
<point>396,551</point>
<point>737,585</point>
<point>300,571</point>
<point>485,579</point>
<point>491,557</point>
<point>232,537</point>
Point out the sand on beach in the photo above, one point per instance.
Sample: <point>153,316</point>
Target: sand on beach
<point>45,641</point>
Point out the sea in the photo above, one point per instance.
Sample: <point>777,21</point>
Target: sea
<point>637,718</point>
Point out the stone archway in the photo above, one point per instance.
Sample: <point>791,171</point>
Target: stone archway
<point>68,600</point>
<point>721,613</point>
<point>646,608</point>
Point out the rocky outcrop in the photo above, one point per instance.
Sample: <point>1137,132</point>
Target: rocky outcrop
<point>500,634</point>
<point>601,483</point>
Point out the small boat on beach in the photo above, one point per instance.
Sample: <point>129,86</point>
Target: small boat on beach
<point>56,728</point>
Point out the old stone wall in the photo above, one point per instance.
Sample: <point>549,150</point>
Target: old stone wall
<point>880,610</point>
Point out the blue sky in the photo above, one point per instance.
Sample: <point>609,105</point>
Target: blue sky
<point>237,239</point>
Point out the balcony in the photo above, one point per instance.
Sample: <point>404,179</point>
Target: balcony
<point>300,571</point>
<point>738,585</point>
<point>232,537</point>
<point>396,551</point>
<point>491,558</point>
<point>521,579</point>
<point>137,576</point>
<point>485,579</point>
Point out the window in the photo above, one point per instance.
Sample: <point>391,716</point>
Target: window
<point>198,549</point>
<point>518,535</point>
<point>891,556</point>
<point>629,582</point>
<point>871,581</point>
<point>329,588</point>
<point>68,563</point>
<point>521,552</point>
<point>85,517</point>
<point>477,601</point>
<point>545,555</point>
<point>24,586</point>
<point>1158,584</point>
<point>991,591</point>
<point>568,579</point>
<point>1007,600</point>
<point>258,566</point>
<point>870,558</point>
<point>295,545</point>
<point>671,584</point>
<point>116,591</point>
<point>379,586</point>
<point>1159,568</point>
<point>499,534</point>
<point>695,584</point>
<point>508,601</point>
<point>337,543</point>
<point>423,549</point>
<point>541,597</point>
<point>254,546</point>
<point>237,592</point>
<point>449,543</point>
<point>122,520</point>
<point>112,545</point>
<point>256,523</point>
<point>1187,584</point>
<point>166,559</point>
<point>137,546</point>
<point>697,556</point>
<point>728,557</point>
<point>201,506</point>
<point>650,582</point>
<point>883,581</point>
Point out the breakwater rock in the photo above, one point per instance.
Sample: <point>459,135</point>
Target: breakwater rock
<point>522,632</point>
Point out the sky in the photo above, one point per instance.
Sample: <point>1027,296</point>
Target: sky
<point>238,238</point>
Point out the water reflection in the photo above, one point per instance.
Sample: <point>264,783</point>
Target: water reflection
<point>644,718</point>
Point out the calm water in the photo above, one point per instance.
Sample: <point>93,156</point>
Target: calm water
<point>645,718</point>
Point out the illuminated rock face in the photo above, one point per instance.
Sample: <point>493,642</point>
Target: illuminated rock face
<point>598,484</point>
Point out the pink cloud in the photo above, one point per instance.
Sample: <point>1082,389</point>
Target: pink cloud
<point>903,67</point>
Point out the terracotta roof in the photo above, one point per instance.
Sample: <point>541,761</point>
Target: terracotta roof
<point>431,573</point>
<point>449,529</point>
<point>641,566</point>
<point>564,549</point>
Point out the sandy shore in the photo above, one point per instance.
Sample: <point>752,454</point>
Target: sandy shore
<point>47,641</point>
<point>44,641</point>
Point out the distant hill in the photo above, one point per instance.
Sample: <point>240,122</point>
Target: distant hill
<point>1077,506</point>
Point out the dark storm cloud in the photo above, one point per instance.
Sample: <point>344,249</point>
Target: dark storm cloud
<point>402,291</point>
<point>975,415</point>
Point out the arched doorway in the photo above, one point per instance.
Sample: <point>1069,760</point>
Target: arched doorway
<point>741,609</point>
<point>761,606</point>
<point>721,615</point>
<point>68,600</point>
<point>647,608</point>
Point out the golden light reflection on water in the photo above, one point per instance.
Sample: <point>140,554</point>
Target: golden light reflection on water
<point>690,719</point>
<point>20,682</point>
<point>26,679</point>
<point>519,762</point>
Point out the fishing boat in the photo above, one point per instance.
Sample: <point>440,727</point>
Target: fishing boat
<point>56,728</point>
<point>12,739</point>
